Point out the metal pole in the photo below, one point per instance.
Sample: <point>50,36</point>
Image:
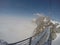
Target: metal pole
<point>30,41</point>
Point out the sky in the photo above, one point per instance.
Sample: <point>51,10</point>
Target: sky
<point>26,8</point>
<point>14,12</point>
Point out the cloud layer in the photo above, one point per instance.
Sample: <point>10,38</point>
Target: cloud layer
<point>13,29</point>
<point>57,40</point>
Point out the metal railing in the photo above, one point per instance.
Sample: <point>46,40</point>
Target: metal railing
<point>40,39</point>
<point>23,42</point>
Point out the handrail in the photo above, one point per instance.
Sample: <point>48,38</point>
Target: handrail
<point>32,41</point>
<point>40,36</point>
<point>21,41</point>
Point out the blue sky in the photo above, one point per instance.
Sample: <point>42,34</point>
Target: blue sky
<point>26,8</point>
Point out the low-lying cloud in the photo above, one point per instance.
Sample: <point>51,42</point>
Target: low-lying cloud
<point>13,29</point>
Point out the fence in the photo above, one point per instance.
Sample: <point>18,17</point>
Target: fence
<point>23,42</point>
<point>41,39</point>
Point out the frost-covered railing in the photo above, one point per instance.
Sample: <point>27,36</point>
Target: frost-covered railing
<point>40,39</point>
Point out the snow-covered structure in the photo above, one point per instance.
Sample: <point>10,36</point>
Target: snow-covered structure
<point>44,22</point>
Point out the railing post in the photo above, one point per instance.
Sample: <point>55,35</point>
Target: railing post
<point>30,40</point>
